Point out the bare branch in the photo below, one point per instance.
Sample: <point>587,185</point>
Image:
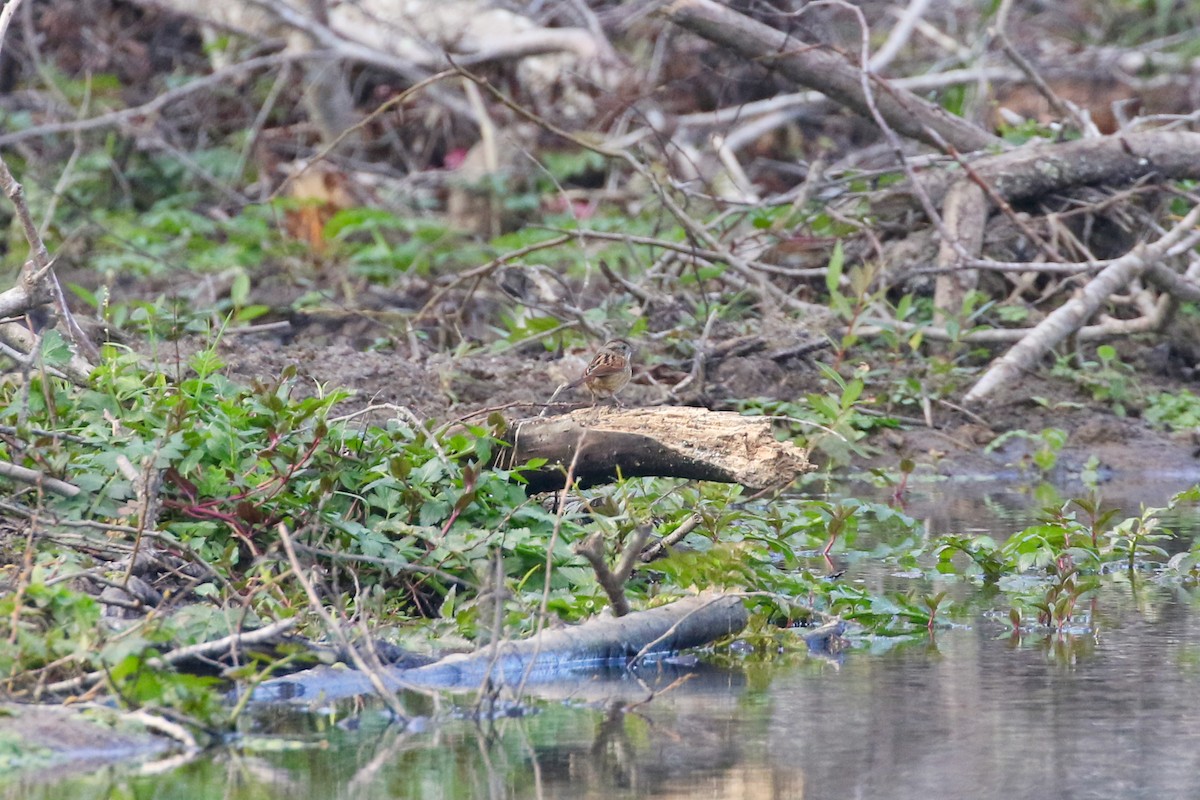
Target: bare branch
<point>1061,107</point>
<point>613,580</point>
<point>1070,316</point>
<point>37,276</point>
<point>334,629</point>
<point>899,35</point>
<point>814,66</point>
<point>35,478</point>
<point>221,78</point>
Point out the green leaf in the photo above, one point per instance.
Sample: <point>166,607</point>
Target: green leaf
<point>833,274</point>
<point>239,291</point>
<point>55,349</point>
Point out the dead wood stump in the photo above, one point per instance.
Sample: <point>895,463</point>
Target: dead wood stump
<point>665,441</point>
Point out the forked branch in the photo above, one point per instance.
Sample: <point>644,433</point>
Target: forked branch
<point>1071,315</point>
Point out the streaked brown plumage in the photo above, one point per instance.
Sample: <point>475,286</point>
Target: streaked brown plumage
<point>609,371</point>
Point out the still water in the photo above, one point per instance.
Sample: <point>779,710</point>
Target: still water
<point>1111,712</point>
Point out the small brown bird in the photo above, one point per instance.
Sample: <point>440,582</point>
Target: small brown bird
<point>610,369</point>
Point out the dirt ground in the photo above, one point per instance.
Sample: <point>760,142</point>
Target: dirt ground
<point>361,344</point>
<point>443,387</point>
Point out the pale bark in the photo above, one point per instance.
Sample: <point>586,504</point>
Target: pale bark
<point>1041,170</point>
<point>680,442</point>
<point>829,73</point>
<point>571,652</point>
<point>1071,315</point>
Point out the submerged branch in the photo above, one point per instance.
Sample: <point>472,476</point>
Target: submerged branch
<point>559,654</point>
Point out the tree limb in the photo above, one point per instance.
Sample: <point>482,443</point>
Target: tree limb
<point>1069,317</point>
<point>677,442</point>
<point>37,276</point>
<point>35,478</point>
<point>830,73</point>
<point>613,580</point>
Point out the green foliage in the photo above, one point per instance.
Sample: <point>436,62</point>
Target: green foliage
<point>411,524</point>
<point>772,551</point>
<point>385,504</point>
<point>414,516</point>
<point>1179,411</point>
<point>972,316</point>
<point>398,520</point>
<point>939,379</point>
<point>983,551</point>
<point>171,235</point>
<point>381,245</point>
<point>52,623</point>
<point>564,165</point>
<point>47,623</point>
<point>1046,445</point>
<point>831,422</point>
<point>853,300</point>
<point>1025,131</point>
<point>1129,23</point>
<point>1137,538</point>
<point>954,99</point>
<point>1047,568</point>
<point>1108,379</point>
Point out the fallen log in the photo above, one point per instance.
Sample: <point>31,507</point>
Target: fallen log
<point>829,72</point>
<point>597,645</point>
<point>665,441</point>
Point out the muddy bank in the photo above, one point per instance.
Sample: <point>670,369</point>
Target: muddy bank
<point>44,743</point>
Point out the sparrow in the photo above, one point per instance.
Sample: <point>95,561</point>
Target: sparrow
<point>609,371</point>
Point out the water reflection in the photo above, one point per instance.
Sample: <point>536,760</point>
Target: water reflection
<point>996,508</point>
<point>990,717</point>
<point>978,712</point>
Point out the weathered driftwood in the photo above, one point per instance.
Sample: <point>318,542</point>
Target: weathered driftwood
<point>1070,316</point>
<point>599,642</point>
<point>678,442</point>
<point>1040,170</point>
<point>970,193</point>
<point>595,645</point>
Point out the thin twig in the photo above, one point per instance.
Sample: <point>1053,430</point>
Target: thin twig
<point>556,531</point>
<point>694,228</point>
<point>46,519</point>
<point>899,35</point>
<point>221,78</point>
<point>396,565</point>
<point>1068,318</point>
<point>372,671</point>
<point>217,646</point>
<point>486,269</point>
<point>1062,108</point>
<point>699,359</point>
<point>37,275</point>
<point>64,179</point>
<point>649,646</point>
<point>656,550</point>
